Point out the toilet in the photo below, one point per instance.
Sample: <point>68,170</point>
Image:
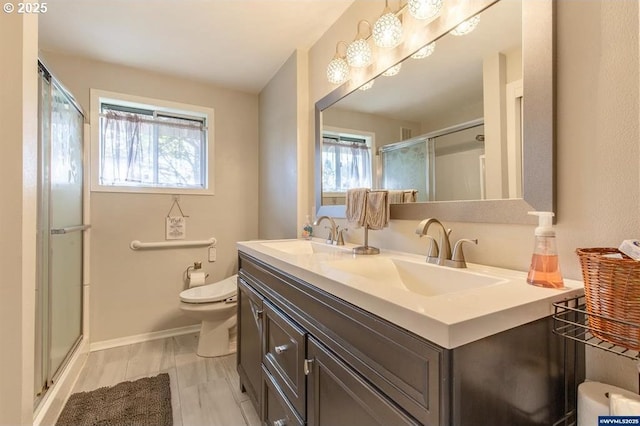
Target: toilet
<point>215,305</point>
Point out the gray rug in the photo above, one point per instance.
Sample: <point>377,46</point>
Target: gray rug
<point>146,401</point>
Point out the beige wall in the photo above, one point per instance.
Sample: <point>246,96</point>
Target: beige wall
<point>278,154</point>
<point>597,149</point>
<point>387,130</point>
<point>136,292</point>
<point>18,185</point>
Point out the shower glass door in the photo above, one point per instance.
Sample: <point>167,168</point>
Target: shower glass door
<point>60,231</point>
<point>65,261</point>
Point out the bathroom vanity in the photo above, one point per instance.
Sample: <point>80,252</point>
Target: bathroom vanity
<point>328,338</point>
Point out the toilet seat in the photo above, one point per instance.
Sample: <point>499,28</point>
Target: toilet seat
<point>215,292</point>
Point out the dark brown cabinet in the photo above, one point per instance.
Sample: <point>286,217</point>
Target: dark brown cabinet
<point>339,396</point>
<point>308,357</point>
<point>249,355</point>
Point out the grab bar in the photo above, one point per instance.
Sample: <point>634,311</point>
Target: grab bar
<point>138,245</point>
<point>69,229</point>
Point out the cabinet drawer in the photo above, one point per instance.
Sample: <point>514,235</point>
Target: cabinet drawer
<point>283,355</point>
<point>276,409</point>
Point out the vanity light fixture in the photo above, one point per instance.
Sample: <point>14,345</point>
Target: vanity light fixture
<point>425,51</point>
<point>338,69</point>
<point>466,27</point>
<point>359,53</point>
<point>393,70</point>
<point>424,9</point>
<point>368,85</point>
<point>387,30</point>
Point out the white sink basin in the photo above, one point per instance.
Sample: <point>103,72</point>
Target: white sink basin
<point>302,247</point>
<point>420,278</point>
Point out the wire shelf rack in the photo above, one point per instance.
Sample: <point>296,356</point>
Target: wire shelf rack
<point>571,321</point>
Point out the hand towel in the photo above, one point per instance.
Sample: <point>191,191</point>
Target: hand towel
<point>396,196</point>
<point>356,205</point>
<point>377,210</point>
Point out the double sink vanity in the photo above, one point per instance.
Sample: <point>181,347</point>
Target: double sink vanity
<point>327,337</point>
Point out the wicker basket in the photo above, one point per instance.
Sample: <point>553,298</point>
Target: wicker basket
<point>612,293</point>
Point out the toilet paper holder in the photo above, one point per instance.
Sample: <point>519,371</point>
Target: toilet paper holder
<point>195,267</point>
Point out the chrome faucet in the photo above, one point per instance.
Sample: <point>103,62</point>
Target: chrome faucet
<point>333,231</point>
<point>440,253</point>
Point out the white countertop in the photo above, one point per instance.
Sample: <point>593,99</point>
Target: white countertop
<point>449,320</point>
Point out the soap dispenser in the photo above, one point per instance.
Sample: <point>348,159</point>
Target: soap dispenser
<point>307,229</point>
<point>545,268</point>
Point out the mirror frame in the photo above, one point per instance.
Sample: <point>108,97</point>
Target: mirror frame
<point>538,176</point>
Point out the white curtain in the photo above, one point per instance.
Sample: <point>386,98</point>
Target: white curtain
<point>345,166</point>
<point>160,151</point>
<point>122,153</point>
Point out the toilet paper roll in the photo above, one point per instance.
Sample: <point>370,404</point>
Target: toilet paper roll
<point>624,404</point>
<point>592,402</point>
<point>196,278</point>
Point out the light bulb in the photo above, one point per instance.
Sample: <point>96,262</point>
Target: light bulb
<point>387,31</point>
<point>424,9</point>
<point>466,27</point>
<point>368,85</point>
<point>359,53</point>
<point>337,71</point>
<point>393,70</point>
<point>425,51</point>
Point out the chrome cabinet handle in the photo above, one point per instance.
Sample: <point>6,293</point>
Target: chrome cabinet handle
<point>280,422</point>
<point>307,366</point>
<point>257,315</point>
<point>281,348</point>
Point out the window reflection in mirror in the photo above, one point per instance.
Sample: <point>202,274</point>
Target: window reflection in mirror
<point>416,116</point>
<point>346,163</point>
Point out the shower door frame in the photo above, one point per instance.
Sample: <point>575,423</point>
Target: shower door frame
<point>44,374</point>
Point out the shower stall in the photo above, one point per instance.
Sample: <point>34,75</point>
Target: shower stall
<point>60,233</point>
<point>443,165</point>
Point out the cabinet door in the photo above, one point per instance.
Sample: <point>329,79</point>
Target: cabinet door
<point>284,354</point>
<point>338,396</point>
<point>276,409</point>
<point>250,317</point>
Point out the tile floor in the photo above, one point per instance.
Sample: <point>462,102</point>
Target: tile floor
<point>204,391</point>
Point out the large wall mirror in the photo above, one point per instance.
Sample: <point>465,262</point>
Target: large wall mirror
<point>463,134</point>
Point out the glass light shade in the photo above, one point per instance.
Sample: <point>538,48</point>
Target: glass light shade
<point>425,51</point>
<point>466,27</point>
<point>424,9</point>
<point>368,85</point>
<point>359,53</point>
<point>338,71</point>
<point>393,70</point>
<point>387,31</point>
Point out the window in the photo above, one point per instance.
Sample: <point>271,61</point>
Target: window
<point>145,145</point>
<point>346,162</point>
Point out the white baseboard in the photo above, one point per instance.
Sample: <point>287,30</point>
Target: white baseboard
<point>138,338</point>
<point>56,397</point>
